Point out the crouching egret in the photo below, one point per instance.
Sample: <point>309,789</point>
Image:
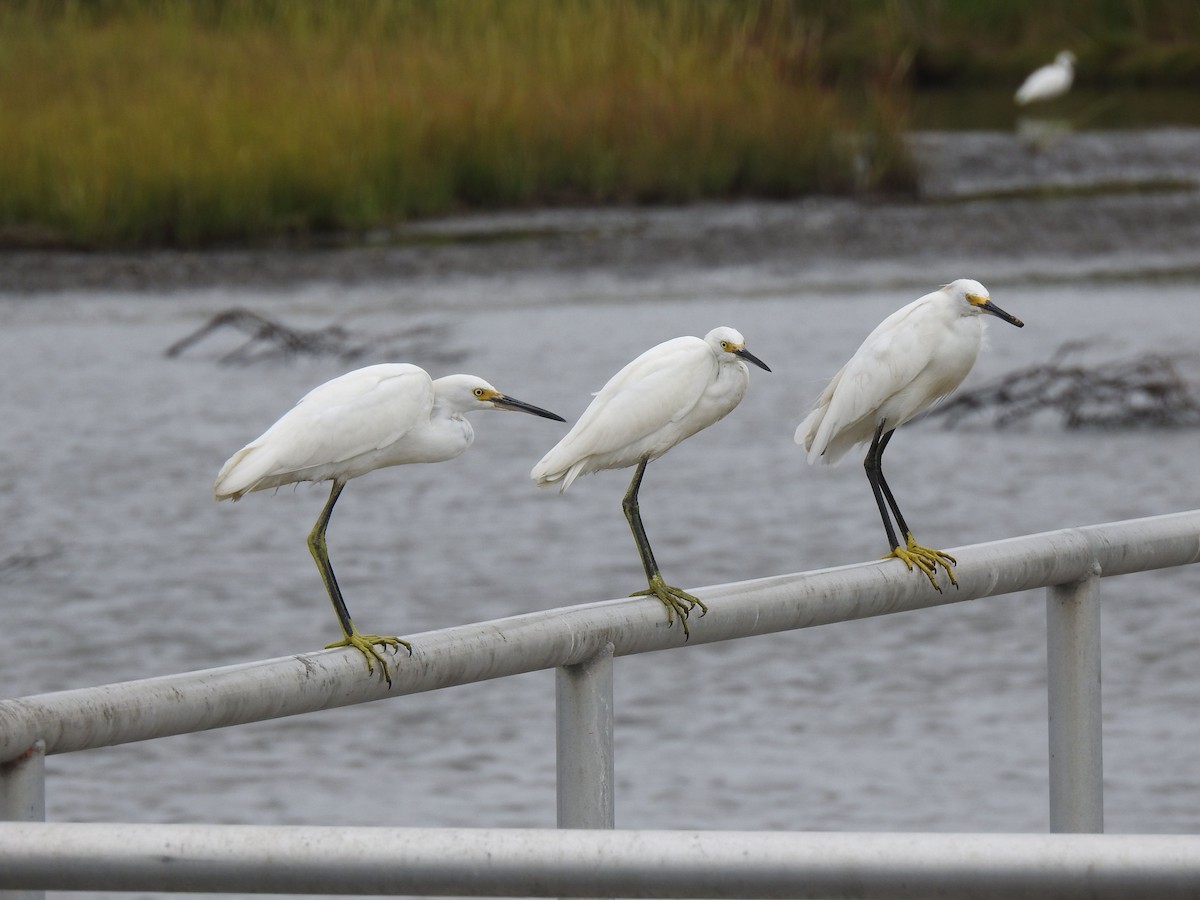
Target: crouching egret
<point>385,415</point>
<point>914,358</point>
<point>664,396</point>
<point>1049,81</point>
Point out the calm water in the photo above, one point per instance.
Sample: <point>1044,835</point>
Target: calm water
<point>993,109</point>
<point>118,564</point>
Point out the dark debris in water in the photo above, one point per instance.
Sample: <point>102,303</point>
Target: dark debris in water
<point>1145,392</point>
<point>267,340</point>
<point>26,559</point>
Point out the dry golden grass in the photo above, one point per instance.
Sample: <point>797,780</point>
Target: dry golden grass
<point>136,123</point>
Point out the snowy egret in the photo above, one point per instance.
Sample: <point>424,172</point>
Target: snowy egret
<point>661,398</point>
<point>385,415</point>
<point>1049,81</point>
<point>914,358</point>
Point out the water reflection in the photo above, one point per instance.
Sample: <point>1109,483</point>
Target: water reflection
<point>992,109</point>
<point>1042,134</point>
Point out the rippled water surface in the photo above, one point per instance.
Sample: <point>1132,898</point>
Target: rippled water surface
<point>118,565</point>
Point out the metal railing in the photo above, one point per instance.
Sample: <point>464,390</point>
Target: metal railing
<point>581,643</point>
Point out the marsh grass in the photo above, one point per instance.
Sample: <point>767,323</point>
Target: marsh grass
<point>142,123</point>
<point>136,122</point>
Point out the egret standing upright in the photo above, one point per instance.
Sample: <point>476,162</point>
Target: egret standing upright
<point>663,397</point>
<point>914,358</point>
<point>385,415</point>
<point>1049,81</point>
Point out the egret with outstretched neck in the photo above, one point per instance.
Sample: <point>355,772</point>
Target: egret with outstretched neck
<point>384,415</point>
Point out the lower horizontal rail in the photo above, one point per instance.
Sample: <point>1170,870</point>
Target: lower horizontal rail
<point>590,863</point>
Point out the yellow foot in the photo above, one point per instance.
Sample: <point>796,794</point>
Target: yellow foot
<point>926,559</point>
<point>678,602</point>
<point>365,644</point>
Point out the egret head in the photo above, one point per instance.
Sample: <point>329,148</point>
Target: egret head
<point>465,393</point>
<point>1065,58</point>
<point>976,300</point>
<point>725,340</point>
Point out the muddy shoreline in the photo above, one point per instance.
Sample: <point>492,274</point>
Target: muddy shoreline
<point>1109,202</point>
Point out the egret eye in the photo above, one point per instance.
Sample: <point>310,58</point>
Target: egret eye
<point>478,392</point>
<point>725,346</point>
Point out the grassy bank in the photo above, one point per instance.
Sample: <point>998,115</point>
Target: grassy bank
<point>136,122</point>
<point>161,123</point>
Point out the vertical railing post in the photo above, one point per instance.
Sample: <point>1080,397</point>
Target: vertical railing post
<point>1073,676</point>
<point>584,703</point>
<point>23,798</point>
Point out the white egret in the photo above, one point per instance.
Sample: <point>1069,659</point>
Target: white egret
<point>384,415</point>
<point>913,359</point>
<point>1049,81</point>
<point>664,396</point>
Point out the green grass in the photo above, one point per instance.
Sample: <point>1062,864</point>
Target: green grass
<point>154,122</point>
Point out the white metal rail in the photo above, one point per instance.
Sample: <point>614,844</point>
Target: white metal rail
<point>548,863</point>
<point>580,642</point>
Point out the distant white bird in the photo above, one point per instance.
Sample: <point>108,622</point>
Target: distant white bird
<point>1049,81</point>
<point>913,359</point>
<point>385,415</point>
<point>664,396</point>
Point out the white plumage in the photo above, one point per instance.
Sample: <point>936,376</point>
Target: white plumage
<point>1049,81</point>
<point>384,415</point>
<point>345,428</point>
<point>663,397</point>
<point>913,359</point>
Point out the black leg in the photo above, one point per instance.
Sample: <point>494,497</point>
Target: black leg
<point>320,554</point>
<point>677,601</point>
<point>364,643</point>
<point>874,466</point>
<point>634,516</point>
<point>910,552</point>
<point>887,491</point>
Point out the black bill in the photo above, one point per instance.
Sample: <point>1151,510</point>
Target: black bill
<point>503,402</point>
<point>750,357</point>
<point>1001,314</point>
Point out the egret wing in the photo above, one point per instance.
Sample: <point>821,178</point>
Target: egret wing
<point>889,360</point>
<point>658,388</point>
<point>362,411</point>
<point>1046,82</point>
<point>353,414</point>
